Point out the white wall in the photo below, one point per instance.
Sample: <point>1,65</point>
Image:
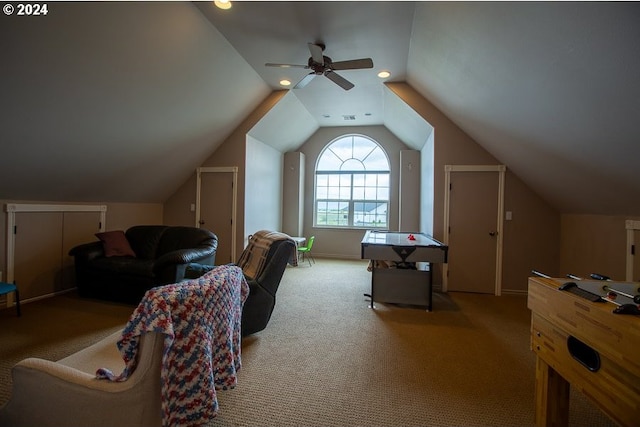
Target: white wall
<point>263,187</point>
<point>427,190</point>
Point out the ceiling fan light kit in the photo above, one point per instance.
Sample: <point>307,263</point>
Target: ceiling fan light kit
<point>223,4</point>
<point>319,64</point>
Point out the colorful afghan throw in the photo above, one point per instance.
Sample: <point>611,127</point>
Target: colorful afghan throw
<point>254,257</point>
<point>200,319</point>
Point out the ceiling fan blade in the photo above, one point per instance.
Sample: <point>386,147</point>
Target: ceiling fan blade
<point>316,53</point>
<point>305,81</point>
<point>352,64</point>
<point>339,80</point>
<point>271,64</point>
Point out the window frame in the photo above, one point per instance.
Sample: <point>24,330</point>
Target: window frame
<point>351,202</point>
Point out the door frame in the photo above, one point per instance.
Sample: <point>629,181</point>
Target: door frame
<point>631,226</point>
<point>500,169</point>
<point>234,182</point>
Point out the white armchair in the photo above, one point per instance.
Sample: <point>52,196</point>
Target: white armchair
<point>181,344</point>
<point>67,393</point>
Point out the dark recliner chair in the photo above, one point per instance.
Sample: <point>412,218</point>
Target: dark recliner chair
<point>262,290</point>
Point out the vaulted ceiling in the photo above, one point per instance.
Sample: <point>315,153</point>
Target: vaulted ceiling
<point>120,101</point>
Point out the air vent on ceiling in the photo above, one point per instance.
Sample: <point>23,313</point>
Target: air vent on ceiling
<point>349,117</point>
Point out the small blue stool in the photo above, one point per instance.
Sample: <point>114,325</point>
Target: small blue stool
<point>6,288</point>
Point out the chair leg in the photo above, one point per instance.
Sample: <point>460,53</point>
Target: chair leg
<point>17,302</point>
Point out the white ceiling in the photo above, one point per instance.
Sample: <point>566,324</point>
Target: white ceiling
<point>120,101</point>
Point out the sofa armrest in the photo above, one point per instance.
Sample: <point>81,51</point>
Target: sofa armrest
<point>87,251</point>
<point>46,393</point>
<point>54,374</point>
<point>170,267</point>
<point>180,256</point>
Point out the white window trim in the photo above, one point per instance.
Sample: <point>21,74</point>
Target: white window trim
<point>351,202</point>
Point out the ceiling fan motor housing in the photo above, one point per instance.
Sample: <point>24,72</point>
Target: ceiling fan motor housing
<point>320,68</point>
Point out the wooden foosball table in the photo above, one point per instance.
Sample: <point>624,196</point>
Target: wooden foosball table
<point>588,343</point>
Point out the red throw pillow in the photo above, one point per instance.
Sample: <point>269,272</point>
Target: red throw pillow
<point>115,243</point>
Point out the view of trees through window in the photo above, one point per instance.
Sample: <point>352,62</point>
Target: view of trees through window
<point>352,184</point>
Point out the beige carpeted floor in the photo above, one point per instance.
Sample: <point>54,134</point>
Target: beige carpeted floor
<point>327,359</point>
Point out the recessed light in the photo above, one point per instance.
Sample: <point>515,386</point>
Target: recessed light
<point>384,74</point>
<point>223,4</point>
<point>285,82</point>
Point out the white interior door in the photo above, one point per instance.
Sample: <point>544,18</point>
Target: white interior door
<point>474,229</point>
<point>633,246</point>
<point>216,209</point>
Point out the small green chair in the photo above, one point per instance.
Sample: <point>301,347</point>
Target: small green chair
<point>306,250</point>
<point>6,288</point>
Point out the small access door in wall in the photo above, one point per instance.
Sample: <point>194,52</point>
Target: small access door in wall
<point>39,238</point>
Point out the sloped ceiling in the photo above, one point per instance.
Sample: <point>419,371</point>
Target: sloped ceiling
<point>115,101</point>
<point>109,101</point>
<point>552,89</point>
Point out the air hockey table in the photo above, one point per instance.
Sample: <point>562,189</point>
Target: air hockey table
<point>410,286</point>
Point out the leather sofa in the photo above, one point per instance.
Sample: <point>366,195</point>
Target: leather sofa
<point>156,255</point>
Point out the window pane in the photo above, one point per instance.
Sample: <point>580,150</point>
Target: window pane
<point>383,194</point>
<point>370,214</point>
<point>322,193</point>
<point>370,193</point>
<point>362,147</point>
<point>329,161</point>
<point>332,213</point>
<point>352,165</point>
<point>377,160</point>
<point>343,148</point>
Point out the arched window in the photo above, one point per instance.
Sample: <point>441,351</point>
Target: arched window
<point>352,184</point>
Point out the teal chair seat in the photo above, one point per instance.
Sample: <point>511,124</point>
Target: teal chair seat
<point>6,288</point>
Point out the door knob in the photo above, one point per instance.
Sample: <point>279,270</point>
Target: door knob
<point>493,233</point>
<point>201,222</point>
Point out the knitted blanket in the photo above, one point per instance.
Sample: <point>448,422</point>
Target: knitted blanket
<point>253,258</point>
<point>201,322</point>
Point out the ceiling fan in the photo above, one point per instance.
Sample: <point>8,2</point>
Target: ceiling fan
<point>320,64</point>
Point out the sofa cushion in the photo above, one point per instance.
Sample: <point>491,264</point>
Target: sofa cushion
<point>115,243</point>
<point>124,265</point>
<point>144,239</point>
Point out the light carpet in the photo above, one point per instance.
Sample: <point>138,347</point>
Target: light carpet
<point>327,359</point>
